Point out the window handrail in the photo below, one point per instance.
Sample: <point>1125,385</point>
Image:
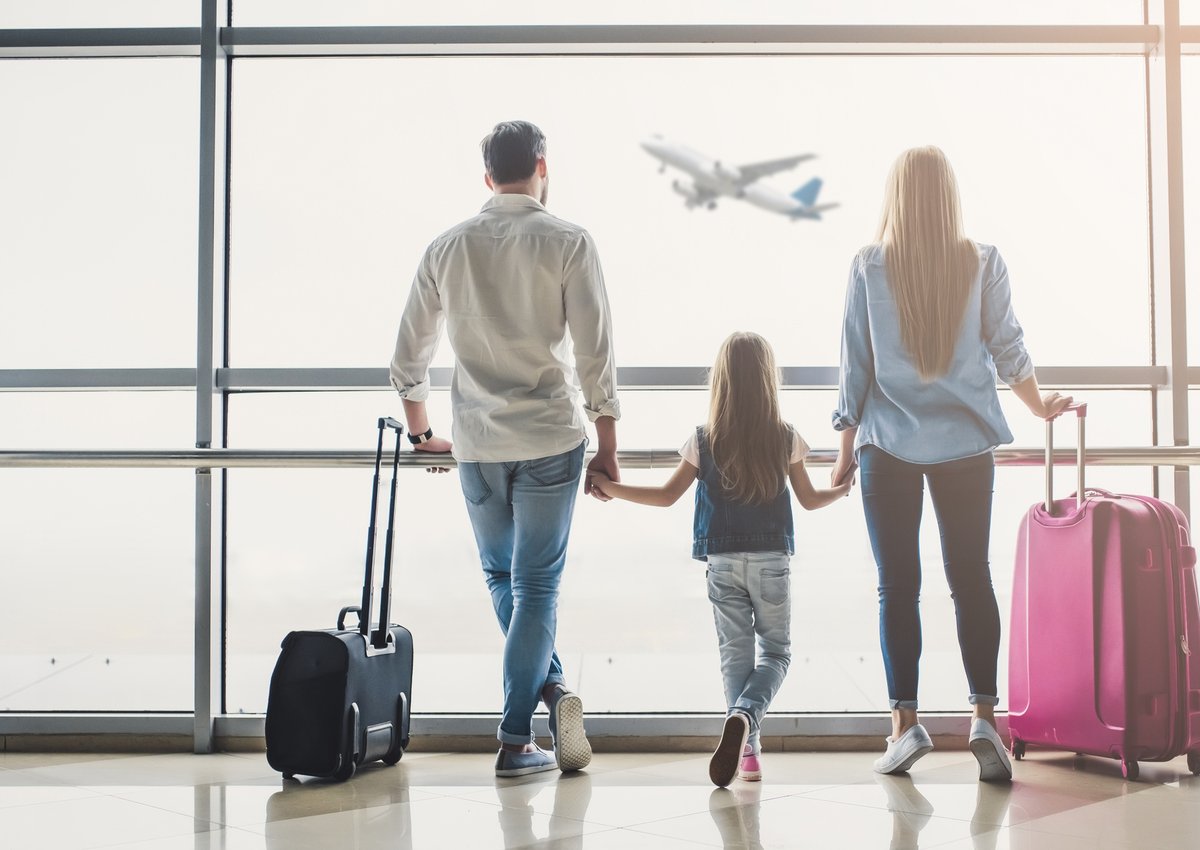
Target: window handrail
<point>636,459</point>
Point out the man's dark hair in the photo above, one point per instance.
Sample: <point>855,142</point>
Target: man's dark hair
<point>511,151</point>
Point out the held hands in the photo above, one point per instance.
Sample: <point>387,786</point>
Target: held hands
<point>843,473</point>
<point>436,445</point>
<point>598,482</point>
<point>602,469</point>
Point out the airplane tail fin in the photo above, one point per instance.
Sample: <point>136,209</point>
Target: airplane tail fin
<point>807,194</point>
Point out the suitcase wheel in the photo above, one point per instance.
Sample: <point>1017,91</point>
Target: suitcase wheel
<point>1129,769</point>
<point>1194,762</point>
<point>345,770</point>
<point>391,758</point>
<point>1018,749</point>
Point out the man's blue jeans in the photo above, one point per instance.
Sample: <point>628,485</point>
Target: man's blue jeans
<point>961,491</point>
<point>521,513</point>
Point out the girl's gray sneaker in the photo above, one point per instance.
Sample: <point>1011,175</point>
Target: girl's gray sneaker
<point>520,764</point>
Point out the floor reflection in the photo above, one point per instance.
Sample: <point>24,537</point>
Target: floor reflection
<point>572,793</point>
<point>735,812</point>
<point>912,811</point>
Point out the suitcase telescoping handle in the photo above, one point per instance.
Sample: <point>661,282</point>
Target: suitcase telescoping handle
<point>1080,409</point>
<point>379,638</point>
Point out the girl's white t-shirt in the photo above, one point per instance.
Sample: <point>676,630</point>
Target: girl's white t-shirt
<point>690,451</point>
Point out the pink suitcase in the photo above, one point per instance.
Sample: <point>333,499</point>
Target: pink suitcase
<point>1104,614</point>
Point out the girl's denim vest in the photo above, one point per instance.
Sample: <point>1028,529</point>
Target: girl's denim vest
<point>724,525</point>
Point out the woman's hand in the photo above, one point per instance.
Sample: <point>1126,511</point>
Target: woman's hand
<point>843,471</point>
<point>1052,404</point>
<point>436,446</point>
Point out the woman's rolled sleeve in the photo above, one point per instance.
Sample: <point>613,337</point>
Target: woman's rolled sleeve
<point>857,363</point>
<point>1002,332</point>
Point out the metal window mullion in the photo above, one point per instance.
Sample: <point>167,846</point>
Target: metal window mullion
<point>210,280</point>
<point>1164,144</point>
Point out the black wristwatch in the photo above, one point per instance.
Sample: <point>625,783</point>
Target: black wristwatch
<point>417,439</point>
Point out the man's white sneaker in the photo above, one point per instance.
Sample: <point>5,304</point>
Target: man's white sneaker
<point>903,753</point>
<point>990,752</point>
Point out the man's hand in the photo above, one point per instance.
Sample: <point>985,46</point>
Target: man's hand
<point>603,464</point>
<point>437,446</point>
<point>598,481</point>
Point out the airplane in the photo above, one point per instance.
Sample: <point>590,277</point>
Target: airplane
<point>711,179</point>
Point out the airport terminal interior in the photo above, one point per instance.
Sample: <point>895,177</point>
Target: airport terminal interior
<point>212,214</point>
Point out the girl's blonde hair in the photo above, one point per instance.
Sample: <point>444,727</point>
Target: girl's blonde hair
<point>930,262</point>
<point>749,441</point>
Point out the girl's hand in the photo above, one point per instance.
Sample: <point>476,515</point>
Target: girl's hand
<point>599,481</point>
<point>843,471</point>
<point>844,488</point>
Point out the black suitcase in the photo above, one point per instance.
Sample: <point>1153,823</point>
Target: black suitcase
<point>341,697</point>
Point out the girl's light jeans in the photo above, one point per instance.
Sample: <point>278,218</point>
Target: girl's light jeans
<point>751,598</point>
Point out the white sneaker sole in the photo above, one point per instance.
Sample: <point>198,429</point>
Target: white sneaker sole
<point>992,767</point>
<point>571,747</point>
<point>525,771</point>
<point>904,766</point>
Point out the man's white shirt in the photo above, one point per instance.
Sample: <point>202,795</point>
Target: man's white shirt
<point>521,295</point>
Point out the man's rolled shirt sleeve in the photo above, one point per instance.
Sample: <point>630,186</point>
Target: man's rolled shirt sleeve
<point>417,339</point>
<point>589,319</point>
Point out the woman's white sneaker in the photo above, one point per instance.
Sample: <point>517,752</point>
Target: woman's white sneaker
<point>989,750</point>
<point>903,753</point>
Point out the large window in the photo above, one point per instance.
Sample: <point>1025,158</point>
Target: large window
<point>1191,197</point>
<point>98,164</point>
<point>345,169</point>
<point>340,169</point>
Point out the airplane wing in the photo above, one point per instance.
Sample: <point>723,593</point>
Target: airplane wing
<point>758,170</point>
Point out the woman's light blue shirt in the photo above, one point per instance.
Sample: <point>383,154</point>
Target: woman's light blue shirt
<point>955,416</point>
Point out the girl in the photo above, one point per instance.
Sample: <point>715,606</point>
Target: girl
<point>741,462</point>
<point>918,402</point>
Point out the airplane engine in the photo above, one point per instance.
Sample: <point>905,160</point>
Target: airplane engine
<point>687,190</point>
<point>733,175</point>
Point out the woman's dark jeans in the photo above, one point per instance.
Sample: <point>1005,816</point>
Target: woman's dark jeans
<point>893,492</point>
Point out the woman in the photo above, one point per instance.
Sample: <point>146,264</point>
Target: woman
<point>928,328</point>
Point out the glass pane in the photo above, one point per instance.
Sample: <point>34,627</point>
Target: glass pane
<point>99,214</point>
<point>1190,70</point>
<point>296,539</point>
<point>363,12</point>
<point>97,600</point>
<point>19,14</point>
<point>338,187</point>
<point>97,420</point>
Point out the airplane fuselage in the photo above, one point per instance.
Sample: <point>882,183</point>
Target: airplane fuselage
<point>711,179</point>
<point>706,173</point>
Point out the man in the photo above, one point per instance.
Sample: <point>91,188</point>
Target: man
<point>509,284</point>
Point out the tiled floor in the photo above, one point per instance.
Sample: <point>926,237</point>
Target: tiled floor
<point>622,802</point>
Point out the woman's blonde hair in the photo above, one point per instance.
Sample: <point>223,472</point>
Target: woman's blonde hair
<point>930,262</point>
<point>748,439</point>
